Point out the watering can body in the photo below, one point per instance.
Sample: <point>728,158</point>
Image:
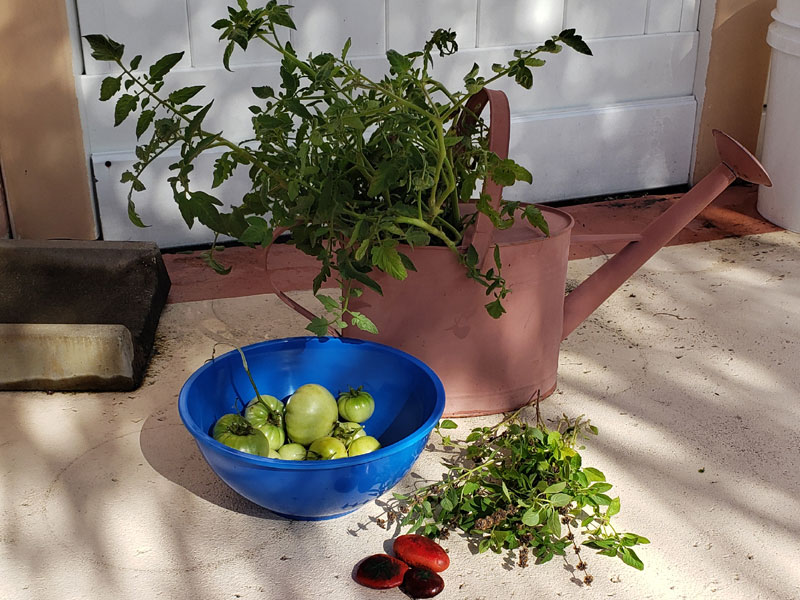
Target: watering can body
<point>437,314</point>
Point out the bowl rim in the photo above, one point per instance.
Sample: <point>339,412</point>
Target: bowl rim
<point>312,465</point>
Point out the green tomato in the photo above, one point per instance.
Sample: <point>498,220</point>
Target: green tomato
<point>266,414</point>
<point>274,434</point>
<point>271,402</point>
<point>265,411</point>
<point>326,448</point>
<point>310,413</point>
<point>356,405</point>
<point>363,445</point>
<point>348,431</point>
<point>292,452</point>
<point>273,454</point>
<point>235,431</point>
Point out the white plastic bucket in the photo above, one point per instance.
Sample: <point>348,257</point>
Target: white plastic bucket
<point>780,204</point>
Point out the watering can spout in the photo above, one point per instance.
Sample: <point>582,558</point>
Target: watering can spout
<point>736,162</point>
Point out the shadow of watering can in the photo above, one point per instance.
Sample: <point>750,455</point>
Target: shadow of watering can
<point>495,365</point>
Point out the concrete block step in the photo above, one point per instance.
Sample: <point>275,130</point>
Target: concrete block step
<point>78,315</point>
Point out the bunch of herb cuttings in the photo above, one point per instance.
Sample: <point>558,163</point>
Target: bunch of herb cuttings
<point>522,489</point>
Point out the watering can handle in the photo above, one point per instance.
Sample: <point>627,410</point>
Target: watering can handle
<point>481,233</point>
<point>736,162</point>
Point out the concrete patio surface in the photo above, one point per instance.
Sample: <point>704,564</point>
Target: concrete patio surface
<point>689,372</point>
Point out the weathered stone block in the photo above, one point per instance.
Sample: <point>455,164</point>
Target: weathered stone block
<point>64,283</point>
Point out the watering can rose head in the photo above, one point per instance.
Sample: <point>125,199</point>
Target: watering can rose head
<point>358,170</point>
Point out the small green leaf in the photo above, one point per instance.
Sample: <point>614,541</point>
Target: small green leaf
<point>318,327</point>
<point>448,424</point>
<point>258,231</point>
<point>208,258</point>
<point>536,218</point>
<point>135,62</point>
<point>399,63</point>
<point>123,108</point>
<point>505,490</point>
<point>531,517</point>
<point>164,65</point>
<point>195,125</point>
<point>629,557</point>
<point>556,487</point>
<point>574,41</point>
<point>559,500</point>
<point>613,507</point>
<point>495,309</point>
<point>471,257</point>
<point>363,322</point>
<point>109,87</point>
<point>600,487</point>
<point>144,121</point>
<point>524,77</point>
<point>593,474</point>
<point>469,488</point>
<point>226,56</point>
<point>264,92</point>
<point>104,48</point>
<point>184,94</point>
<point>133,216</point>
<point>417,237</point>
<point>387,259</point>
<point>329,303</point>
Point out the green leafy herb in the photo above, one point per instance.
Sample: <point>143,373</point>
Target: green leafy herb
<point>521,488</point>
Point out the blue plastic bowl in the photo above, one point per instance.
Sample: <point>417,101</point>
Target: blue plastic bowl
<point>409,401</point>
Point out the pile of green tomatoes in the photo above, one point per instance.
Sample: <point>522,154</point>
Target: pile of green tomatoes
<point>312,425</point>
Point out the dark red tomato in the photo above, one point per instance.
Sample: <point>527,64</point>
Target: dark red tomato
<point>422,583</point>
<point>381,571</point>
<point>420,551</point>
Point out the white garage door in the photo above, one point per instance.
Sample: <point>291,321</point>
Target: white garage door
<point>621,120</point>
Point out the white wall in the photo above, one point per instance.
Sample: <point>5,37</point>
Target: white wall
<point>619,121</point>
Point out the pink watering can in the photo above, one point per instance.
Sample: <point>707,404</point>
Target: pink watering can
<point>491,365</point>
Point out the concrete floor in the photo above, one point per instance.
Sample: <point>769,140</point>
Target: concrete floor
<point>689,372</point>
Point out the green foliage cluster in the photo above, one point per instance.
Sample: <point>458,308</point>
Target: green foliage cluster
<point>358,170</point>
<point>519,487</point>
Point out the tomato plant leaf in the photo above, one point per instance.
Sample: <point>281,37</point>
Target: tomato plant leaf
<point>387,259</point>
<point>104,48</point>
<point>184,94</point>
<point>123,108</point>
<point>109,87</point>
<point>363,322</point>
<point>318,327</point>
<point>164,65</point>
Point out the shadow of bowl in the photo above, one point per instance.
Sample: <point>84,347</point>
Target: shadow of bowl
<point>172,451</point>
